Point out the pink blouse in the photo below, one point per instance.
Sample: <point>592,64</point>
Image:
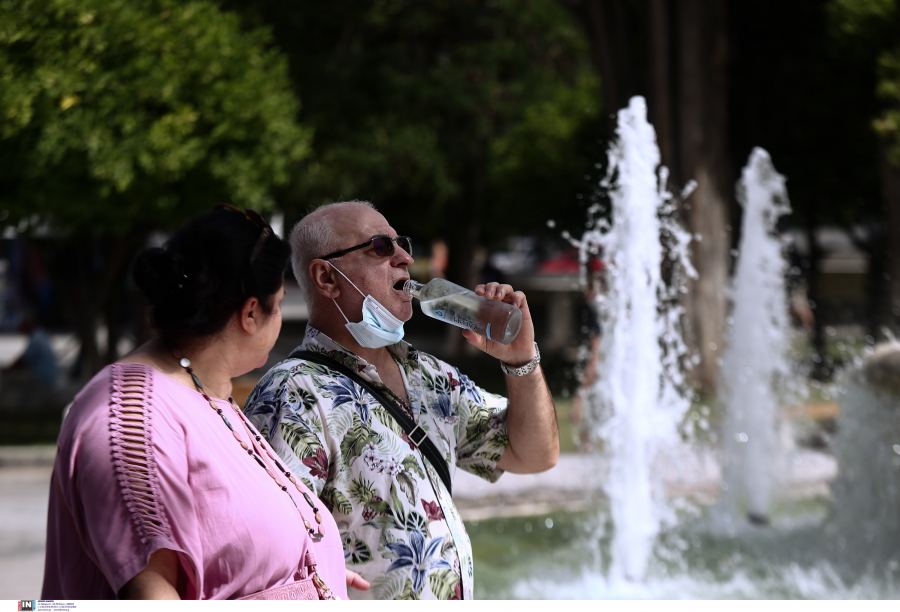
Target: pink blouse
<point>145,464</point>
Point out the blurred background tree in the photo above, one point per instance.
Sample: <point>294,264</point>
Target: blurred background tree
<point>872,27</point>
<point>485,114</point>
<point>118,118</point>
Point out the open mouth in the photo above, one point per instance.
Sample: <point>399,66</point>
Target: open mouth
<point>399,284</point>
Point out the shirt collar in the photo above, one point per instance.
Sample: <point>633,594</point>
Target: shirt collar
<point>314,338</point>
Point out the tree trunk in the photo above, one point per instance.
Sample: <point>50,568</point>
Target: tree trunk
<point>660,99</point>
<point>874,245</point>
<point>97,297</point>
<point>815,259</point>
<point>703,157</point>
<point>86,323</point>
<point>464,234</point>
<point>615,30</point>
<point>876,292</point>
<point>602,54</point>
<point>113,315</point>
<point>890,182</point>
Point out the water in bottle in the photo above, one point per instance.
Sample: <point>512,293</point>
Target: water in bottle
<point>440,299</point>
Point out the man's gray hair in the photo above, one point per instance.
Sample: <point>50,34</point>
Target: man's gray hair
<point>313,237</point>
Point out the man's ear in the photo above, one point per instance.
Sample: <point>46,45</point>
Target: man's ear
<point>323,279</point>
<point>251,316</point>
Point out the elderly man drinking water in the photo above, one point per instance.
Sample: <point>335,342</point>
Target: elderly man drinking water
<point>376,427</point>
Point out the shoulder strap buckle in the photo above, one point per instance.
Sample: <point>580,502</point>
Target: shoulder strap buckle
<point>421,437</point>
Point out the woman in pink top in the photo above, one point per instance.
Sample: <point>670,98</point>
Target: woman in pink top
<point>161,488</point>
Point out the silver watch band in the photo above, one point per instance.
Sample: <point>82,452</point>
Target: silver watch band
<point>525,369</point>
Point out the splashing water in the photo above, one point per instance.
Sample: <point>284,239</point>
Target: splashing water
<point>636,403</point>
<point>867,490</point>
<point>755,364</point>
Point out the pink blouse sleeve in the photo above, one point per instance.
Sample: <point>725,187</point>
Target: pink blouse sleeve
<point>120,488</point>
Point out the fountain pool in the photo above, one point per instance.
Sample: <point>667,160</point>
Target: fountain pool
<point>555,556</point>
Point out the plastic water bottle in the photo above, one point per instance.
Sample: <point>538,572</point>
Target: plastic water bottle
<point>442,300</point>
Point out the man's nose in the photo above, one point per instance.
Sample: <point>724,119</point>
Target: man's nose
<point>401,257</point>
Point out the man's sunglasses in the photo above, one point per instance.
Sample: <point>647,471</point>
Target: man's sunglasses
<point>255,218</point>
<point>382,246</point>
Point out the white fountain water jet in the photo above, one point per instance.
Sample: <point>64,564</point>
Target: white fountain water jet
<point>755,364</point>
<point>636,403</point>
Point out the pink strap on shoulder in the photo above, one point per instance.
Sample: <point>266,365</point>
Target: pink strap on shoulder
<point>131,412</point>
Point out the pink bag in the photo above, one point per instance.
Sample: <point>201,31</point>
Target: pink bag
<point>306,585</point>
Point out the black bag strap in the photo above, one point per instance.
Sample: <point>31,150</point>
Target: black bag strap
<point>416,434</point>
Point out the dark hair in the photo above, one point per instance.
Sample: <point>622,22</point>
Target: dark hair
<point>203,275</point>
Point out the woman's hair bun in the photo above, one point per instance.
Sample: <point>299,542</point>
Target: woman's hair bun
<point>206,272</point>
<point>159,274</point>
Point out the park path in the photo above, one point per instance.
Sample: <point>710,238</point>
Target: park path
<point>24,493</point>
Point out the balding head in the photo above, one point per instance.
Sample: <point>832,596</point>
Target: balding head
<point>317,235</point>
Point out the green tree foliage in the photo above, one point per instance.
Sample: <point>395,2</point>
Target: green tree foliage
<point>118,115</point>
<point>877,23</point>
<point>860,17</point>
<point>458,119</point>
<point>539,164</point>
<point>888,124</point>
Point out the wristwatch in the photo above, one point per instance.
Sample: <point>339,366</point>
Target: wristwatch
<point>525,369</point>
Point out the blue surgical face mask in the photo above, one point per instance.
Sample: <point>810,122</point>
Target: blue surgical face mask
<point>379,328</point>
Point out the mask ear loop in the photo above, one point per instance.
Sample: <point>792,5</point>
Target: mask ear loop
<point>349,281</point>
<point>341,311</point>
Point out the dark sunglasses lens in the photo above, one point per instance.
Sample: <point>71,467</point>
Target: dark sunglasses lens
<point>405,243</point>
<point>383,247</point>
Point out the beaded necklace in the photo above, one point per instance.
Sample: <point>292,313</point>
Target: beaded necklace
<point>258,445</point>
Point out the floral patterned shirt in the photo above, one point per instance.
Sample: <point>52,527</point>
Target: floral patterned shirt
<point>399,526</point>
